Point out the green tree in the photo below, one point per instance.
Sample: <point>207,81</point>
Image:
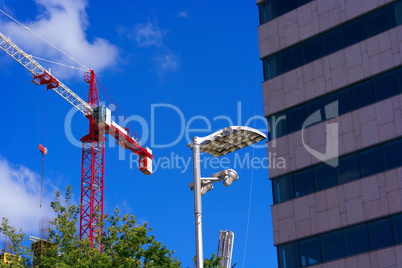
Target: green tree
<point>123,243</point>
<point>213,262</point>
<point>16,248</point>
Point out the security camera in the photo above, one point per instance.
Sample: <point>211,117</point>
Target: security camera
<point>228,176</point>
<point>206,186</point>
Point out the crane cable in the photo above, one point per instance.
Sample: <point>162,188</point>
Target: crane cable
<point>249,209</point>
<point>43,150</point>
<point>65,54</point>
<point>42,171</point>
<point>61,64</point>
<point>251,191</point>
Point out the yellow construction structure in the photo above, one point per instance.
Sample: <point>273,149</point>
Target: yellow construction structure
<point>8,258</point>
<point>38,247</point>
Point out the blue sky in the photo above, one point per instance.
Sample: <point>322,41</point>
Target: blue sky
<point>177,69</point>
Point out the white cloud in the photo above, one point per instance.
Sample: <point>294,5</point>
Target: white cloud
<point>182,14</point>
<point>148,34</point>
<point>63,23</point>
<point>168,62</point>
<point>20,197</point>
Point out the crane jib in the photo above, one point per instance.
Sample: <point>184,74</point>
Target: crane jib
<point>39,71</point>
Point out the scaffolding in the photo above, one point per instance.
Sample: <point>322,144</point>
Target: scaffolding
<point>44,227</point>
<point>6,244</point>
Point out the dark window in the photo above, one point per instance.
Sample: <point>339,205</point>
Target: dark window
<point>303,182</point>
<point>296,118</point>
<point>312,50</point>
<point>356,239</point>
<point>378,22</point>
<point>283,188</point>
<point>354,32</point>
<point>386,85</point>
<point>287,5</point>
<point>397,14</point>
<point>273,66</point>
<point>371,161</point>
<point>362,94</point>
<point>268,11</point>
<point>325,176</point>
<point>302,2</point>
<point>278,125</point>
<point>318,104</point>
<point>291,58</point>
<point>288,255</point>
<point>348,168</point>
<point>397,223</point>
<point>344,103</point>
<point>399,71</point>
<point>333,246</point>
<point>393,154</point>
<point>333,41</point>
<point>310,251</point>
<point>380,233</point>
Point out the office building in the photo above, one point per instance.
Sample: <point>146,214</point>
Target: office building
<point>332,96</point>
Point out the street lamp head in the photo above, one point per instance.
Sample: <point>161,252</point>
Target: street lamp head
<point>229,139</point>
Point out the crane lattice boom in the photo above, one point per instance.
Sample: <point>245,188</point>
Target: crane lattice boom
<point>39,71</point>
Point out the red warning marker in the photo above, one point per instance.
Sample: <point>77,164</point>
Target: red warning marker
<point>42,149</point>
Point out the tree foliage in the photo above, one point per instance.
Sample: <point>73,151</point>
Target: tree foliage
<point>213,262</point>
<point>16,246</point>
<point>123,243</point>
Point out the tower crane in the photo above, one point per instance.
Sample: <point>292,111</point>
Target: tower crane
<point>93,144</point>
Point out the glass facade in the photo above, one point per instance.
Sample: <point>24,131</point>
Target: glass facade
<point>351,167</point>
<point>334,40</point>
<point>352,240</point>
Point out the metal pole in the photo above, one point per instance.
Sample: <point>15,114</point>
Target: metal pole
<point>197,203</point>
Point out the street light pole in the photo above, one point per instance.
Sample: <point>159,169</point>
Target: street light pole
<point>219,143</point>
<point>197,203</point>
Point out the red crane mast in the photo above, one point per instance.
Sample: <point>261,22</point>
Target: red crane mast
<point>93,144</point>
<point>92,171</point>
